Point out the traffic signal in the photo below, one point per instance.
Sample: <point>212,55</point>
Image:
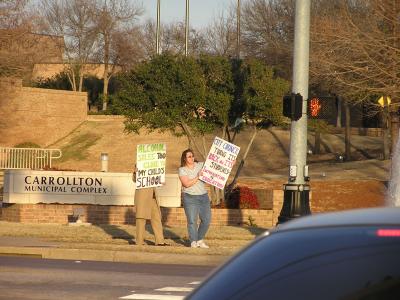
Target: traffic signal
<point>321,107</point>
<point>293,106</point>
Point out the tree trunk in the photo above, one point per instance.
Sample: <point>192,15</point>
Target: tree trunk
<point>105,92</point>
<point>385,129</point>
<point>395,130</point>
<point>80,80</point>
<point>390,140</point>
<point>339,112</point>
<point>203,139</point>
<point>106,75</point>
<point>317,141</point>
<point>71,78</point>
<point>347,135</point>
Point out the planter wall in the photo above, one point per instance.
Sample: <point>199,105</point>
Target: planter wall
<point>119,215</point>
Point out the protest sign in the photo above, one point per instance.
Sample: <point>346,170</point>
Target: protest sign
<point>219,162</point>
<point>150,163</point>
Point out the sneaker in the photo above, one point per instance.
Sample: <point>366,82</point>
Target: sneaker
<point>194,244</point>
<point>201,244</point>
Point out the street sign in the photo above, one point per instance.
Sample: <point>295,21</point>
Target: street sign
<point>382,102</point>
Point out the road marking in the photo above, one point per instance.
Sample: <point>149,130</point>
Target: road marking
<point>152,297</point>
<point>175,289</point>
<point>195,282</point>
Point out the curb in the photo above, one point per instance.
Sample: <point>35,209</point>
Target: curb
<point>114,256</point>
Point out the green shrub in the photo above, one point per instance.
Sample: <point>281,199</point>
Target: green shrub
<point>27,145</point>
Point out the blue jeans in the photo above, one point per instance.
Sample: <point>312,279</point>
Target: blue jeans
<point>197,206</point>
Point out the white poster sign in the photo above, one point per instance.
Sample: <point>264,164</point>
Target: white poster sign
<point>219,162</point>
<point>150,163</point>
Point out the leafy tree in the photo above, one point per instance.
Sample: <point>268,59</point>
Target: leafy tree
<point>167,93</point>
<point>263,93</point>
<point>193,97</point>
<point>91,84</point>
<point>183,95</point>
<point>220,93</point>
<point>262,101</point>
<point>58,82</point>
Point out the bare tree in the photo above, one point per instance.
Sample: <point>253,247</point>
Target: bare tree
<point>267,32</point>
<point>13,13</point>
<point>72,20</point>
<point>361,52</point>
<point>221,34</point>
<point>113,20</point>
<point>17,44</point>
<point>172,39</point>
<point>356,50</point>
<point>149,38</point>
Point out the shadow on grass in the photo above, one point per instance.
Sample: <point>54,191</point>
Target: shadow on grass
<point>169,234</point>
<point>358,150</point>
<point>100,216</point>
<point>117,233</point>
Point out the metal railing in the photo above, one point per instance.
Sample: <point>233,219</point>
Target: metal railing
<point>27,158</point>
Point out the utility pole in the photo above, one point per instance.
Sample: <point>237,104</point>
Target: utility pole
<point>296,191</point>
<point>238,12</point>
<point>158,29</point>
<point>187,28</point>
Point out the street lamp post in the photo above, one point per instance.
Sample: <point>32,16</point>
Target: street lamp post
<point>296,191</point>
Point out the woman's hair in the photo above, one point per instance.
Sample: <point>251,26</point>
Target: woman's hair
<point>183,157</point>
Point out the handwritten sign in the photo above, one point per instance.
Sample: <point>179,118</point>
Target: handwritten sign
<point>219,162</point>
<point>150,163</point>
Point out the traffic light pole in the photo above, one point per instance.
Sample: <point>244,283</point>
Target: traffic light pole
<point>297,190</point>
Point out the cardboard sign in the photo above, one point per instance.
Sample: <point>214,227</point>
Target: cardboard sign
<point>219,162</point>
<point>150,163</point>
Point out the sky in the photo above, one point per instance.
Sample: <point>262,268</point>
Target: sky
<point>201,12</point>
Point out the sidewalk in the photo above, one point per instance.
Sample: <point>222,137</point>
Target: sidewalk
<point>54,241</point>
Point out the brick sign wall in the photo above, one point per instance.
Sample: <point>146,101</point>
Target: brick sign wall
<point>119,215</point>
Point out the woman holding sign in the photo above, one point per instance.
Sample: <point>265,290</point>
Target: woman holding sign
<point>195,199</point>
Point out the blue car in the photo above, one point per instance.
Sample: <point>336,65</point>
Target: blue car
<point>352,254</point>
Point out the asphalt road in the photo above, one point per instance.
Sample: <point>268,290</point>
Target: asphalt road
<point>34,278</point>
